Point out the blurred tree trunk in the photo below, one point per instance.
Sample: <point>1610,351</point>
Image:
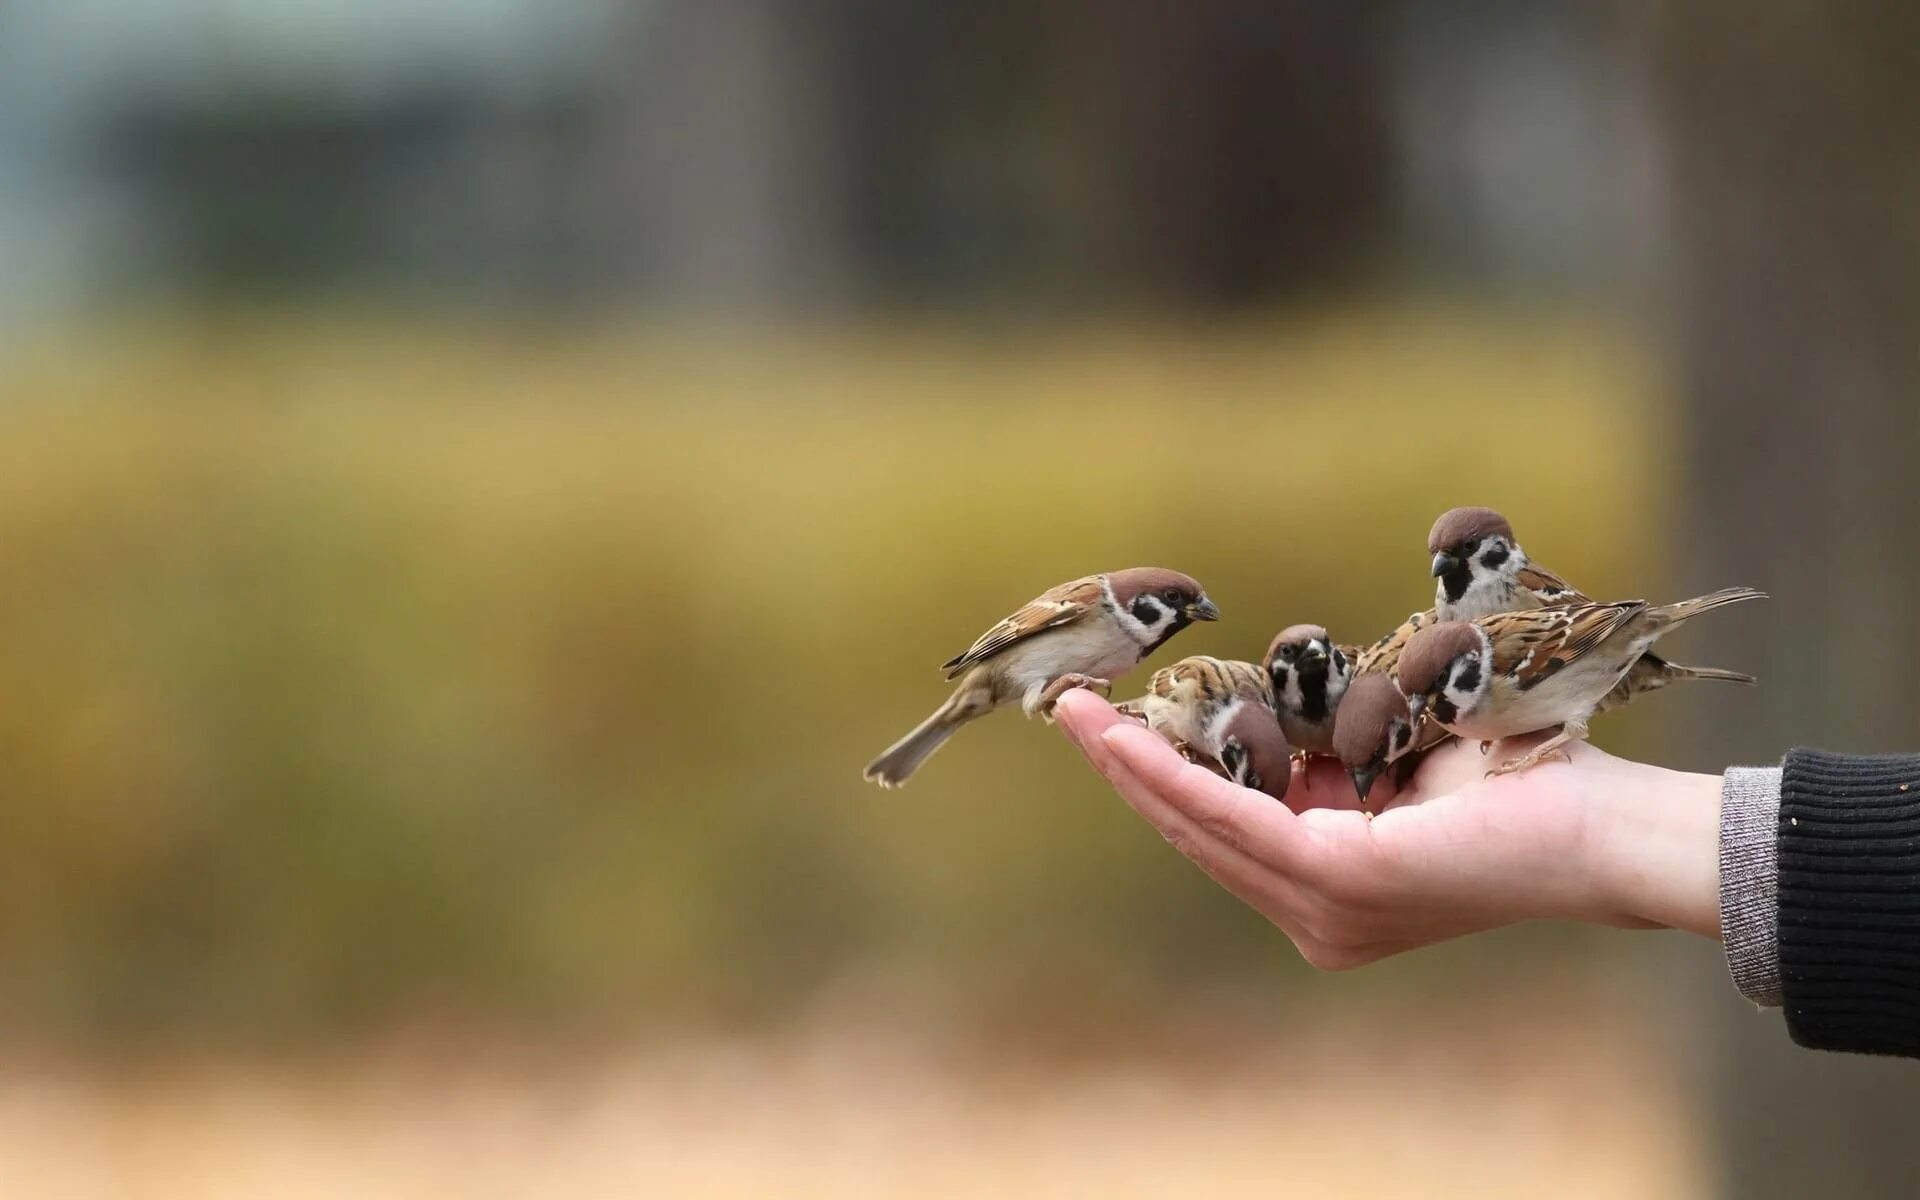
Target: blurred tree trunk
<point>1246,141</point>
<point>1795,289</point>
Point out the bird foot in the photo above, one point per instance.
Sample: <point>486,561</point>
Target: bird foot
<point>1515,765</point>
<point>1067,683</point>
<point>1304,758</point>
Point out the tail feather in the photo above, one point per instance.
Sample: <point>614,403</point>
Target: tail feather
<point>1678,671</point>
<point>1684,610</point>
<point>899,761</point>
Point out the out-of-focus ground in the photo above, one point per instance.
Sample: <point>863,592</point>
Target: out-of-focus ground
<point>1540,1091</point>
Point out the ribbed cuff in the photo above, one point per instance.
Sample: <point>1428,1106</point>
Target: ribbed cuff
<point>1749,878</point>
<point>1849,839</point>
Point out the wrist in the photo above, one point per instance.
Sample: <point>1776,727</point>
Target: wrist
<point>1654,835</point>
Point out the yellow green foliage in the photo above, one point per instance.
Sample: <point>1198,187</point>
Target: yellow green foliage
<point>353,670</point>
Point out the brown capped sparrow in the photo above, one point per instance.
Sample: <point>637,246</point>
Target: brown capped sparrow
<point>1219,711</point>
<point>1081,634</point>
<point>1518,672</point>
<point>1481,570</point>
<point>1376,729</point>
<point>1309,675</point>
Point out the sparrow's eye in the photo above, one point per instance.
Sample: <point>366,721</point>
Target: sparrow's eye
<point>1173,595</point>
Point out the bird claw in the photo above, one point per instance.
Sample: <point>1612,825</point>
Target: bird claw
<point>1515,765</point>
<point>1303,759</point>
<point>1063,685</point>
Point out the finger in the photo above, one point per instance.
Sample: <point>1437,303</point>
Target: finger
<point>1248,821</point>
<point>1346,958</point>
<point>1082,716</point>
<point>1268,893</point>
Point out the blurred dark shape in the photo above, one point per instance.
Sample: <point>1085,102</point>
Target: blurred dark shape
<point>279,197</point>
<point>775,157</point>
<point>1245,140</point>
<point>1798,293</point>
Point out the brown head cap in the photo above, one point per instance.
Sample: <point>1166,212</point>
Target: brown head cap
<point>1431,651</point>
<point>1173,587</point>
<point>1360,727</point>
<point>1297,635</point>
<point>1457,526</point>
<point>1265,747</point>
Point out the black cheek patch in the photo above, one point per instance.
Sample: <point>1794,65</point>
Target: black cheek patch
<point>1180,621</point>
<point>1495,557</point>
<point>1469,677</point>
<point>1146,610</point>
<point>1234,758</point>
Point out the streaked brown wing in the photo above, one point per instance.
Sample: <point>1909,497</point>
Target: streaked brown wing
<point>1211,678</point>
<point>1531,646</point>
<point>1551,590</point>
<point>1384,655</point>
<point>1055,606</point>
<point>1165,680</point>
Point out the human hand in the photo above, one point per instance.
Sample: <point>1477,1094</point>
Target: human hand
<point>1595,838</point>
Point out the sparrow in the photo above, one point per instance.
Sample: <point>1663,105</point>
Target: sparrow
<point>1375,729</point>
<point>1481,570</point>
<point>1219,711</point>
<point>1309,675</point>
<point>1518,672</point>
<point>1083,633</point>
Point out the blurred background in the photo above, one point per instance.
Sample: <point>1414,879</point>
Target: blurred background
<point>478,480</point>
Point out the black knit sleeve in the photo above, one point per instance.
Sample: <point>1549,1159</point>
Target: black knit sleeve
<point>1850,901</point>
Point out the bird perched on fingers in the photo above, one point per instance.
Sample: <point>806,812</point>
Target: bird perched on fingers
<point>1518,672</point>
<point>1219,711</point>
<point>1376,729</point>
<point>1480,570</point>
<point>1309,674</point>
<point>1084,633</point>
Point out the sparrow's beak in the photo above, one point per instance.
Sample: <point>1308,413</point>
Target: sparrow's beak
<point>1203,609</point>
<point>1313,652</point>
<point>1416,705</point>
<point>1444,562</point>
<point>1363,778</point>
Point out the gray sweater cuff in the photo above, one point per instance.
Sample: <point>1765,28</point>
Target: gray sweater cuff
<point>1750,880</point>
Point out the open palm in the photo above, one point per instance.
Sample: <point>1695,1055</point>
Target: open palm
<point>1594,838</point>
